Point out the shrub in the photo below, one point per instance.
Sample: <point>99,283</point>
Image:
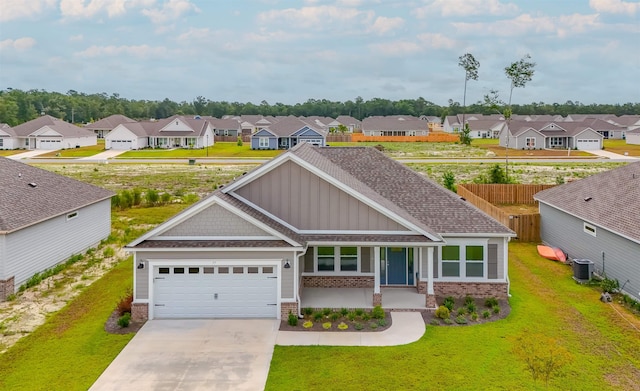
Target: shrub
<point>137,197</point>
<point>382,322</point>
<point>461,319</point>
<point>461,311</point>
<point>366,316</point>
<point>317,316</point>
<point>358,326</point>
<point>11,297</point>
<point>486,314</point>
<point>344,311</point>
<point>471,307</point>
<point>326,311</point>
<point>334,316</point>
<point>292,320</point>
<point>308,324</point>
<point>373,325</point>
<point>307,311</point>
<point>124,320</point>
<point>610,286</point>
<point>351,316</point>
<point>448,321</point>
<point>543,356</point>
<point>151,196</point>
<point>124,305</point>
<point>443,312</point>
<point>377,312</point>
<point>434,322</point>
<point>468,300</point>
<point>474,316</point>
<point>359,311</point>
<point>108,252</point>
<point>239,142</point>
<point>491,302</point>
<point>165,198</point>
<point>449,302</point>
<point>326,325</point>
<point>343,326</point>
<point>496,309</point>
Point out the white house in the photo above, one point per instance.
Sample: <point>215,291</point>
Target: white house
<point>47,132</point>
<point>130,135</point>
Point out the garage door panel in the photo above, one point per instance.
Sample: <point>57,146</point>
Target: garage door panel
<point>207,293</point>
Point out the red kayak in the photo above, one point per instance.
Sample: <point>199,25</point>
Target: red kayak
<point>552,253</point>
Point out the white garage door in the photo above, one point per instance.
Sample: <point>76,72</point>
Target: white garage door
<point>121,144</point>
<point>51,144</point>
<point>588,145</point>
<point>215,292</point>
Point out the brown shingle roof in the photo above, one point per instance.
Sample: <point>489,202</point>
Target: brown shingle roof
<point>22,204</point>
<point>109,122</point>
<point>64,128</point>
<point>610,199</point>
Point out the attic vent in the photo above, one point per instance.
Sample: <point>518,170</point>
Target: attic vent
<point>587,199</point>
<point>33,184</point>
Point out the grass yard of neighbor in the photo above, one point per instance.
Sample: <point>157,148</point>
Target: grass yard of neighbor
<point>621,147</point>
<point>219,149</point>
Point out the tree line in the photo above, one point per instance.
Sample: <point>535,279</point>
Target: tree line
<point>17,106</point>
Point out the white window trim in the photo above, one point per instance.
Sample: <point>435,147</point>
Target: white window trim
<point>589,229</point>
<point>527,140</point>
<point>462,243</point>
<point>263,142</point>
<point>72,215</point>
<point>336,262</point>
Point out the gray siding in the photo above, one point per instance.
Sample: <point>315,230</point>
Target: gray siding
<point>215,221</point>
<point>622,256</point>
<point>255,143</point>
<point>310,203</point>
<point>366,260</point>
<point>142,281</point>
<point>42,246</point>
<point>521,140</point>
<point>185,257</point>
<point>493,261</point>
<point>308,261</point>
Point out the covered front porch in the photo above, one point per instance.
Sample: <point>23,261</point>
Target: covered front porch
<point>393,298</point>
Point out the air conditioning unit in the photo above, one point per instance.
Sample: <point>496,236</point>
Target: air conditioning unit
<point>582,270</point>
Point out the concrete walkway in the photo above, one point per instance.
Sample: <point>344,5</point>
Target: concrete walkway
<point>28,154</point>
<point>406,327</point>
<point>611,155</point>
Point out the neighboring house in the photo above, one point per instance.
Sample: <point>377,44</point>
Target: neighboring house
<point>226,127</point>
<point>127,136</point>
<point>317,217</point>
<point>8,137</point>
<point>607,129</point>
<point>598,218</point>
<point>45,218</point>
<point>352,124</point>
<point>106,125</point>
<point>47,132</point>
<point>550,135</point>
<point>180,132</point>
<point>394,126</point>
<point>486,128</point>
<point>286,133</point>
<point>633,136</point>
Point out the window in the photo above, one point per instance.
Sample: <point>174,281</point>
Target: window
<point>263,142</point>
<point>267,270</point>
<point>223,270</point>
<point>348,259</point>
<point>530,142</point>
<point>1,142</point>
<point>163,270</point>
<point>72,215</point>
<point>590,229</point>
<point>178,270</point>
<point>326,259</point>
<point>194,270</point>
<point>463,260</point>
<point>252,269</point>
<point>207,270</point>
<point>238,270</point>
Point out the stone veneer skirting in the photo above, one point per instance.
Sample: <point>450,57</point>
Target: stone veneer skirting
<point>7,287</point>
<point>337,281</point>
<point>286,308</point>
<point>498,290</point>
<point>139,312</point>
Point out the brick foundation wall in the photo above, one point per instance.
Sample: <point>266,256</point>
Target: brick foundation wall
<point>285,308</point>
<point>7,287</point>
<point>337,282</point>
<point>475,289</point>
<point>140,312</point>
<point>377,299</point>
<point>431,303</point>
<point>422,287</point>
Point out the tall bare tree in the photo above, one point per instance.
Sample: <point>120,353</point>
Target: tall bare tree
<point>470,66</point>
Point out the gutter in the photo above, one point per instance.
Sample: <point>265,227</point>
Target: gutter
<point>303,253</point>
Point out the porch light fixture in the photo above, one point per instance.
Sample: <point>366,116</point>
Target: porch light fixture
<point>141,265</point>
<point>287,265</point>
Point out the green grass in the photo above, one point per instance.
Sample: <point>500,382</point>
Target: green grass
<point>606,351</point>
<point>621,146</point>
<point>218,150</point>
<point>71,350</point>
<point>77,152</point>
<point>9,152</point>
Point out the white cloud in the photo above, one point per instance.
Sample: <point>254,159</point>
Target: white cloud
<point>20,44</point>
<point>76,38</point>
<point>140,51</point>
<point>17,9</point>
<point>113,8</point>
<point>169,11</point>
<point>526,24</point>
<point>460,8</point>
<point>615,6</point>
<point>436,41</point>
<point>317,17</point>
<point>396,48</point>
<point>383,24</point>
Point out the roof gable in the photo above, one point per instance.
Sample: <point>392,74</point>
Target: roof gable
<point>176,125</point>
<point>263,133</point>
<point>307,131</point>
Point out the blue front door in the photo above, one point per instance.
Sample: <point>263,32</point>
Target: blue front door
<point>396,266</point>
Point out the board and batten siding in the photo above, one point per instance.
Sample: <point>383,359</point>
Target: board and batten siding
<point>215,221</point>
<point>183,258</point>
<point>46,244</point>
<point>308,202</point>
<point>621,256</point>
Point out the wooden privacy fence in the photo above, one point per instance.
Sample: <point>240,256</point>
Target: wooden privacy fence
<point>484,196</point>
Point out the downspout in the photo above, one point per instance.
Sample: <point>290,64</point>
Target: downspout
<point>302,254</point>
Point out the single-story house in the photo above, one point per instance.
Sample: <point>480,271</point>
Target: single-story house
<point>633,136</point>
<point>352,124</point>
<point>47,132</point>
<point>394,126</point>
<point>179,132</point>
<point>45,218</point>
<point>287,133</point>
<point>598,218</point>
<point>226,127</point>
<point>550,135</point>
<point>127,136</point>
<point>318,218</point>
<point>8,137</point>
<point>104,126</point>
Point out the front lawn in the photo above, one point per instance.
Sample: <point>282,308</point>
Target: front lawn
<point>218,150</point>
<point>605,349</point>
<point>621,146</point>
<point>72,349</point>
<point>77,152</point>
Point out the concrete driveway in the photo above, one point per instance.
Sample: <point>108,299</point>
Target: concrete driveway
<point>221,354</point>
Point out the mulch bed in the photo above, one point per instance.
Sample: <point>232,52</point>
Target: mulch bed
<point>111,326</point>
<point>505,310</point>
<point>317,326</point>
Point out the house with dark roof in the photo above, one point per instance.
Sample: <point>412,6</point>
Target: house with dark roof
<point>550,135</point>
<point>127,136</point>
<point>104,126</point>
<point>329,223</point>
<point>8,137</point>
<point>47,132</point>
<point>394,126</point>
<point>45,218</point>
<point>598,218</point>
<point>286,133</point>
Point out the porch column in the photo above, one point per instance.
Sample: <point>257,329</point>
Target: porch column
<point>377,296</point>
<point>431,297</point>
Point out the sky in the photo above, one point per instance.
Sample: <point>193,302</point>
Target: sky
<point>585,51</point>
